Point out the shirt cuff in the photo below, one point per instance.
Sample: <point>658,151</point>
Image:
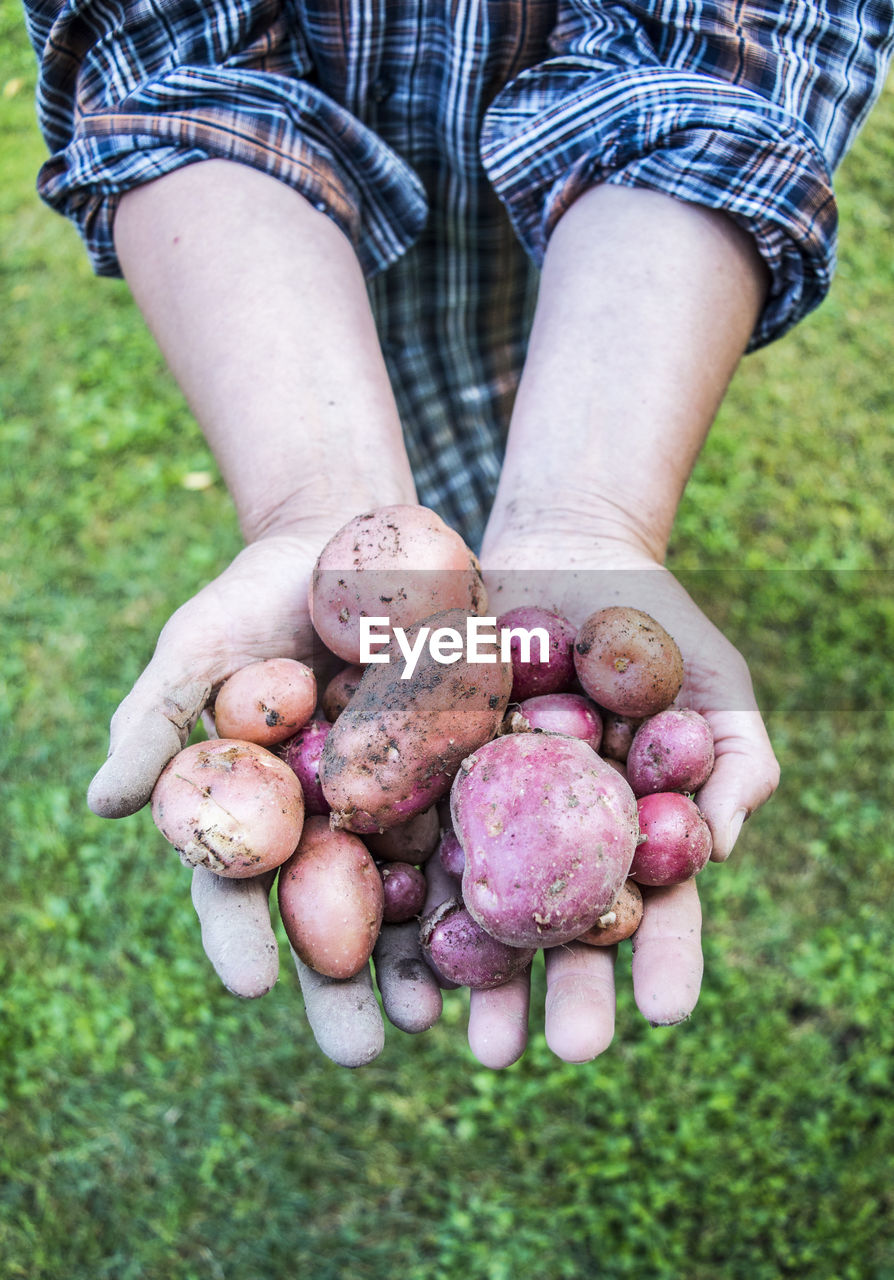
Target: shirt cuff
<point>562,128</point>
<point>285,127</point>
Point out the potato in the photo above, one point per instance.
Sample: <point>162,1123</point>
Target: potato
<point>676,840</point>
<point>548,830</point>
<point>396,747</point>
<point>302,755</point>
<point>620,921</point>
<point>399,562</point>
<point>265,702</point>
<point>568,713</point>
<point>627,662</point>
<point>450,855</point>
<point>414,841</point>
<point>230,806</point>
<point>405,889</point>
<point>331,900</point>
<point>340,690</point>
<point>533,678</point>
<point>617,734</point>
<point>462,952</point>
<point>671,751</point>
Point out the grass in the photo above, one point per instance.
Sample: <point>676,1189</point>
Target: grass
<point>153,1126</point>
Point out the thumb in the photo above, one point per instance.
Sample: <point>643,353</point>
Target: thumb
<point>745,775</point>
<point>150,726</point>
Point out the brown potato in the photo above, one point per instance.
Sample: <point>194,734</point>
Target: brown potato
<point>620,921</point>
<point>331,900</point>
<point>401,562</point>
<point>627,662</point>
<point>266,702</point>
<point>414,841</point>
<point>340,690</point>
<point>230,806</point>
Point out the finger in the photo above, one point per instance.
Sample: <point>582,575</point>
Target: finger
<point>580,1000</point>
<point>498,1022</point>
<point>151,725</point>
<point>344,1015</point>
<point>441,886</point>
<point>410,992</point>
<point>745,775</point>
<point>237,933</point>
<point>667,954</point>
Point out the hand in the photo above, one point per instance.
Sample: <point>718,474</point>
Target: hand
<point>257,608</point>
<point>667,960</point>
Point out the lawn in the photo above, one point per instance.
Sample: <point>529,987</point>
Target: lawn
<point>154,1126</point>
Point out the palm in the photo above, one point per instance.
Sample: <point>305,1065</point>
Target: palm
<point>257,608</point>
<point>667,959</point>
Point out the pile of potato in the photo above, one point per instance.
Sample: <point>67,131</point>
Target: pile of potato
<point>549,790</point>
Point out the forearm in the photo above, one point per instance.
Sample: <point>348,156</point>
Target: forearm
<point>260,308</point>
<point>646,305</point>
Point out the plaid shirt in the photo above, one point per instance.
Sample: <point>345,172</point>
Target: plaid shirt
<point>447,140</point>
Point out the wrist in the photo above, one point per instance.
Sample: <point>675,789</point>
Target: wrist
<point>317,510</point>
<point>575,533</point>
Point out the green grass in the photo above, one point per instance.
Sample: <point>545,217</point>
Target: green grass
<point>153,1126</point>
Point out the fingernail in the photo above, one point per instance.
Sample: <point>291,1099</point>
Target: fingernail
<point>735,827</point>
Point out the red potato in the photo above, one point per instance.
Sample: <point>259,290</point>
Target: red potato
<point>230,806</point>
<point>462,952</point>
<point>331,900</point>
<point>676,841</point>
<point>627,662</point>
<point>568,713</point>
<point>620,921</point>
<point>671,751</point>
<point>340,690</point>
<point>451,856</point>
<point>302,754</point>
<point>414,841</point>
<point>396,747</point>
<point>405,888</point>
<point>265,702</point>
<point>617,735</point>
<point>548,830</point>
<point>400,562</point>
<point>533,677</point>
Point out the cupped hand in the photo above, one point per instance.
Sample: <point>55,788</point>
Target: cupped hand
<point>255,609</point>
<point>667,959</point>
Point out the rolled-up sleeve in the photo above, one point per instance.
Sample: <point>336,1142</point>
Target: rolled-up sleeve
<point>134,89</point>
<point>742,107</point>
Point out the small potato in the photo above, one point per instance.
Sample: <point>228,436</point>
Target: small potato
<point>568,713</point>
<point>451,856</point>
<point>331,900</point>
<point>266,702</point>
<point>675,842</point>
<point>402,563</point>
<point>617,735</point>
<point>340,690</point>
<point>405,889</point>
<point>414,841</point>
<point>302,755</point>
<point>230,806</point>
<point>627,662</point>
<point>462,952</point>
<point>671,751</point>
<point>532,678</point>
<point>620,921</point>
